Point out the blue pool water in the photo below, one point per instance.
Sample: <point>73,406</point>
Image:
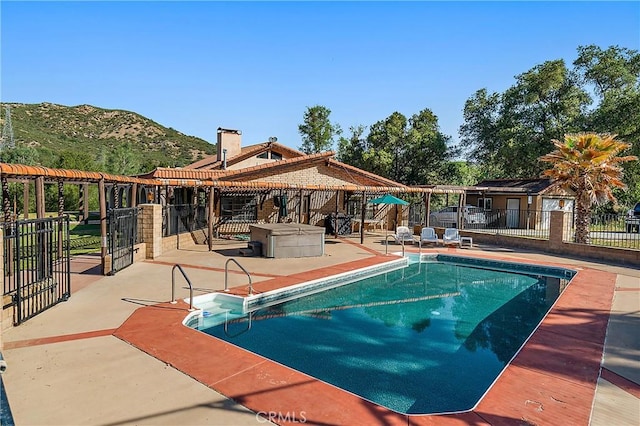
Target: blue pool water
<point>428,338</point>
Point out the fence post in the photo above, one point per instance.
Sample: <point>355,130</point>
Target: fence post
<point>151,218</point>
<point>556,229</point>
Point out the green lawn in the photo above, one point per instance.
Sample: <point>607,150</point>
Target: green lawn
<point>84,238</point>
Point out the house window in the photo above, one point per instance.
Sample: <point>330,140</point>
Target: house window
<point>269,154</point>
<point>239,208</point>
<point>485,203</point>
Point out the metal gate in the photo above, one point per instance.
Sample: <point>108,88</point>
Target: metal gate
<point>122,236</point>
<point>36,265</point>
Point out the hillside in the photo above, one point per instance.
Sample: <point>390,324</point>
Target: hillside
<point>52,129</point>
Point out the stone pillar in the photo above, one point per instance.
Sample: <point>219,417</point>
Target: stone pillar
<point>151,225</point>
<point>556,229</point>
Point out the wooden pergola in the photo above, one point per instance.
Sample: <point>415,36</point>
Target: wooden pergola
<point>43,175</point>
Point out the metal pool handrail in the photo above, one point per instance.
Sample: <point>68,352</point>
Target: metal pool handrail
<point>386,247</point>
<point>226,274</point>
<point>173,285</point>
<point>226,327</point>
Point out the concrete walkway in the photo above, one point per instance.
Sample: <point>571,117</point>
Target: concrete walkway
<point>67,368</point>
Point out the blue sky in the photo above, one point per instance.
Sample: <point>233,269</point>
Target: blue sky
<point>257,66</point>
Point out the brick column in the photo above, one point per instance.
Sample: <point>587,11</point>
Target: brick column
<point>556,229</point>
<point>151,224</point>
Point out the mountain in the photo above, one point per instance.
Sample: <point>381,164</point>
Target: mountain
<point>53,129</point>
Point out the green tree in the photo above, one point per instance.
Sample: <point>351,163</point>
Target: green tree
<point>351,150</point>
<point>410,151</point>
<point>588,164</point>
<point>427,154</point>
<point>614,75</point>
<point>387,141</point>
<point>20,154</point>
<point>76,160</point>
<point>122,160</point>
<point>317,131</point>
<point>508,132</point>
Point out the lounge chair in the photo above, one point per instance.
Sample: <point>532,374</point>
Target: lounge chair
<point>404,235</point>
<point>450,237</point>
<point>428,235</point>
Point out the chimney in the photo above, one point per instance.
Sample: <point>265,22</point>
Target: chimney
<point>229,143</point>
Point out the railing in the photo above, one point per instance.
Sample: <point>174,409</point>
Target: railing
<point>36,265</point>
<point>386,248</point>
<point>226,275</point>
<point>612,230</point>
<point>226,327</point>
<point>512,222</point>
<point>173,285</point>
<point>179,218</point>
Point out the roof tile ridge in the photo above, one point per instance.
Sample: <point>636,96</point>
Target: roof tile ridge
<point>366,173</point>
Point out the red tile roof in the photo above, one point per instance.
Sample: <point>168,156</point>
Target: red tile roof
<point>21,170</point>
<point>212,162</point>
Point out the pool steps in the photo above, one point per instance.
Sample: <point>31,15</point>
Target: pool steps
<point>224,307</point>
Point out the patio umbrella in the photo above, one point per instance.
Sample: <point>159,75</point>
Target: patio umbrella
<point>388,199</point>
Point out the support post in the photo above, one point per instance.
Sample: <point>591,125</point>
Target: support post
<point>363,211</point>
<point>460,212</point>
<point>6,201</point>
<point>134,195</point>
<point>210,216</point>
<point>103,224</point>
<point>25,199</point>
<point>85,203</point>
<point>40,197</point>
<point>116,196</point>
<point>335,230</point>
<point>60,198</point>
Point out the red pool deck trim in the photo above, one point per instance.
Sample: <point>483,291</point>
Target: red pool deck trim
<point>553,378</point>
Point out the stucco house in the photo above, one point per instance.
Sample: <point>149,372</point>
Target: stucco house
<point>520,200</point>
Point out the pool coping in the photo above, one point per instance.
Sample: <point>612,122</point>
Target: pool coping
<point>553,376</point>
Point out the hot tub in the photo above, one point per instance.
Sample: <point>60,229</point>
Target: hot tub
<point>280,240</point>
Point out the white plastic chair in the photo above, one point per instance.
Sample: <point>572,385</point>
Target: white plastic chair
<point>403,234</point>
<point>450,237</point>
<point>428,235</point>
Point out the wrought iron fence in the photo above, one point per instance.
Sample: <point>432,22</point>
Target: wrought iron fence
<point>612,230</point>
<point>36,265</point>
<point>179,218</point>
<point>122,235</point>
<point>514,222</point>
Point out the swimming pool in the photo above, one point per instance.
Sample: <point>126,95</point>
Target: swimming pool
<point>430,337</point>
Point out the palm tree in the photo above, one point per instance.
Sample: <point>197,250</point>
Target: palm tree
<point>588,164</point>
